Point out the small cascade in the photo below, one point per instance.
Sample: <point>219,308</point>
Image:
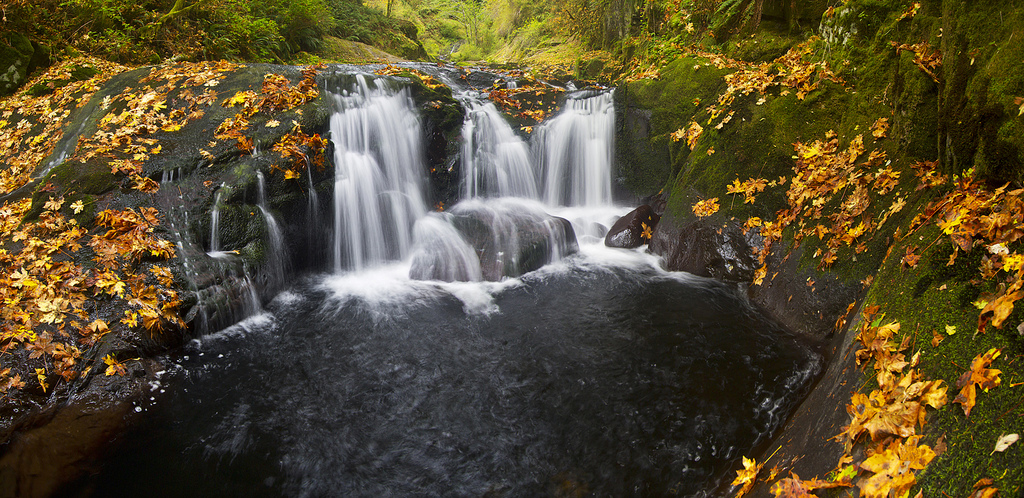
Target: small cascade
<point>506,236</point>
<point>313,208</point>
<point>379,160</point>
<point>64,148</point>
<point>276,259</point>
<point>170,175</point>
<point>576,150</point>
<point>495,161</point>
<point>442,253</point>
<point>215,220</point>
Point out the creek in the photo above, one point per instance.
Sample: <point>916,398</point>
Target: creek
<point>497,348</point>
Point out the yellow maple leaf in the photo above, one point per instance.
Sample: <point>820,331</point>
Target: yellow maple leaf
<point>880,128</point>
<point>706,207</point>
<point>238,98</point>
<point>747,476</point>
<point>646,233</point>
<point>114,367</point>
<point>53,204</point>
<point>98,327</point>
<point>893,468</point>
<point>77,206</point>
<point>41,376</point>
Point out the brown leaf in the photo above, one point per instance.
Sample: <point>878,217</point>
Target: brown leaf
<point>978,376</point>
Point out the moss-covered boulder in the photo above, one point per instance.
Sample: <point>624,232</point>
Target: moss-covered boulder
<point>19,56</point>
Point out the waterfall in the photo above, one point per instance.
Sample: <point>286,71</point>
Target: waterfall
<point>314,204</point>
<point>276,258</point>
<point>576,149</point>
<point>379,159</point>
<point>215,221</point>
<point>491,233</point>
<point>495,161</point>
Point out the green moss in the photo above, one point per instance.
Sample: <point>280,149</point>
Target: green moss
<point>924,300</point>
<point>763,46</point>
<point>73,180</point>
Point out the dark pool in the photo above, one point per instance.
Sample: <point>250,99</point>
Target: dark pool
<point>609,378</point>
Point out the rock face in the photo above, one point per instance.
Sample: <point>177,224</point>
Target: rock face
<point>707,250</point>
<point>628,231</point>
<point>18,58</point>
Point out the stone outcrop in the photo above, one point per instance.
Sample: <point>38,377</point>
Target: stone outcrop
<point>628,232</point>
<point>19,56</point>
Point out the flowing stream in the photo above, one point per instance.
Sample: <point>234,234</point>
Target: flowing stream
<point>495,349</point>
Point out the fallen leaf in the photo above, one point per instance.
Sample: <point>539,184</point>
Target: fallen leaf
<point>706,207</point>
<point>978,376</point>
<point>880,128</point>
<point>1004,442</point>
<point>747,476</point>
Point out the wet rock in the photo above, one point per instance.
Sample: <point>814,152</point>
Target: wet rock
<point>707,250</point>
<point>507,238</point>
<point>60,444</point>
<point>628,231</point>
<point>511,249</point>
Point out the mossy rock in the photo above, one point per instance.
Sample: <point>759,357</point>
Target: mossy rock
<point>78,73</point>
<point>338,50</point>
<point>16,57</point>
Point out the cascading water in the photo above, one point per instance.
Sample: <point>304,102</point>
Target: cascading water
<point>601,371</point>
<point>378,160</point>
<point>215,220</point>
<point>313,208</point>
<point>495,161</point>
<point>576,149</point>
<point>277,258</point>
<point>444,255</point>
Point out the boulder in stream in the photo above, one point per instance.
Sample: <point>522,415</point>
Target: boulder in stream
<point>509,237</point>
<point>628,231</point>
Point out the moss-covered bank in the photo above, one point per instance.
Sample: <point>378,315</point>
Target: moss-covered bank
<point>958,108</point>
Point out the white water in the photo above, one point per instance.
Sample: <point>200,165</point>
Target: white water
<point>215,221</point>
<point>444,254</point>
<point>313,207</point>
<point>495,161</point>
<point>378,160</point>
<point>571,162</point>
<point>576,150</point>
<point>572,153</point>
<point>276,258</point>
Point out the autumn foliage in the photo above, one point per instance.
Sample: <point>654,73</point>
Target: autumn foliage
<point>64,252</point>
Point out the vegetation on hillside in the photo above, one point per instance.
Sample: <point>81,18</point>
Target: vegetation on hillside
<point>152,31</point>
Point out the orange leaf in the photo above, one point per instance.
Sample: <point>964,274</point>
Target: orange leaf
<point>978,376</point>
